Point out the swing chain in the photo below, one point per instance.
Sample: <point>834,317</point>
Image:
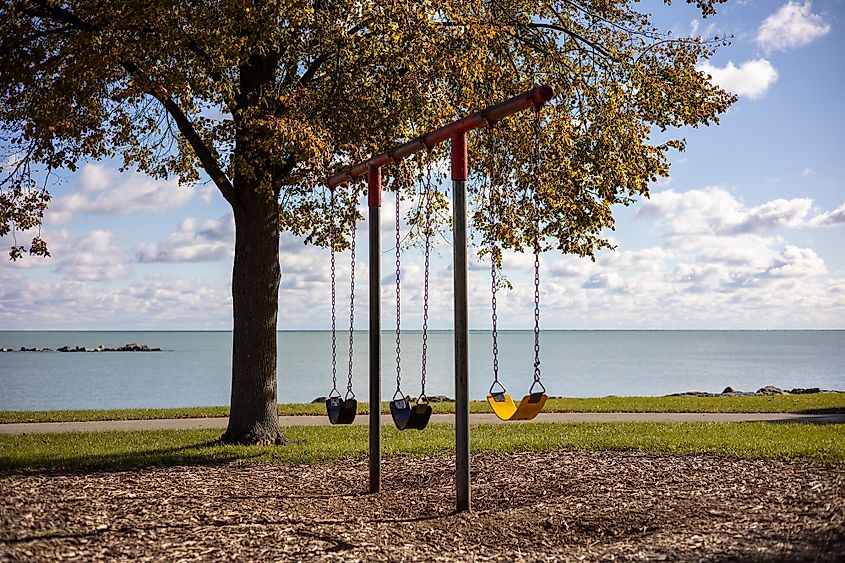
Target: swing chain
<point>349,392</point>
<point>493,288</point>
<point>398,299</point>
<point>536,317</point>
<point>536,166</point>
<point>427,233</point>
<point>334,390</point>
<point>494,285</point>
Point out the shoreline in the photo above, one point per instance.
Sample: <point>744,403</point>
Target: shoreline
<point>220,423</point>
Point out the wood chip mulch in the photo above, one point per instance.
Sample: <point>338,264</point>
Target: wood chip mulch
<point>535,507</point>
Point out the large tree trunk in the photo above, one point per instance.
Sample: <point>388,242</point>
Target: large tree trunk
<point>256,275</point>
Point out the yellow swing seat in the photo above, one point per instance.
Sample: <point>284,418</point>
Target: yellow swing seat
<point>505,408</point>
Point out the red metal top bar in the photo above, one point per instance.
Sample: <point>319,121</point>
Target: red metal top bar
<point>536,97</point>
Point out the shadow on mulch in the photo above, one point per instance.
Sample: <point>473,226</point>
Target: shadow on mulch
<point>807,546</point>
<point>228,524</point>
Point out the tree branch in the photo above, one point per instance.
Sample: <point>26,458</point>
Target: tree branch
<point>59,14</point>
<point>207,160</point>
<point>46,33</point>
<point>574,35</point>
<point>321,60</point>
<point>281,171</point>
<point>214,75</point>
<point>551,26</point>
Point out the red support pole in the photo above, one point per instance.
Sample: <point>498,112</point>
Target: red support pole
<point>374,185</point>
<point>459,156</point>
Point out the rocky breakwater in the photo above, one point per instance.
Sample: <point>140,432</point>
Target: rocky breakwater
<point>131,347</point>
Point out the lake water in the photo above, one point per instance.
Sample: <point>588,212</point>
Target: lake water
<point>195,368</point>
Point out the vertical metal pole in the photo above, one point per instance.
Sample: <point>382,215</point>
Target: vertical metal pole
<point>374,203</point>
<point>459,219</point>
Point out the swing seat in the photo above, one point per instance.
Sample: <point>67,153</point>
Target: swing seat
<point>406,417</point>
<point>529,407</point>
<point>341,411</point>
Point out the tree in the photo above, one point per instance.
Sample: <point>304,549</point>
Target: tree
<point>265,99</point>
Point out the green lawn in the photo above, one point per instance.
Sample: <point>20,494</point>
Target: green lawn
<point>817,443</point>
<point>824,403</point>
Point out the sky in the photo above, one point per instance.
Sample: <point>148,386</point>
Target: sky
<point>746,233</point>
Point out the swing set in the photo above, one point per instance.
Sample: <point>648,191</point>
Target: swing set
<point>342,409</point>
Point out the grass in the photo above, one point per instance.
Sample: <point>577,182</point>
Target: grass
<point>817,443</point>
<point>823,403</point>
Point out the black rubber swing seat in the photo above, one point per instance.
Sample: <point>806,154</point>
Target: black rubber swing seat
<point>407,417</point>
<point>341,411</point>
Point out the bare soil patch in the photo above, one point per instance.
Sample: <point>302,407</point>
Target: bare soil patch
<point>551,506</point>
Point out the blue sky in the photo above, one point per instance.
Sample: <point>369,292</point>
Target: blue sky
<point>746,233</point>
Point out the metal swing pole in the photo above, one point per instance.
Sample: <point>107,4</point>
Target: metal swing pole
<point>461,312</point>
<point>374,203</point>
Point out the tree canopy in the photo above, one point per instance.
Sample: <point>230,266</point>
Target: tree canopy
<point>286,92</point>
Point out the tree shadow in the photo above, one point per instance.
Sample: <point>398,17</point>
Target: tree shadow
<point>315,496</point>
<point>191,454</point>
<point>811,545</point>
<point>828,410</point>
<point>220,497</point>
<point>818,418</point>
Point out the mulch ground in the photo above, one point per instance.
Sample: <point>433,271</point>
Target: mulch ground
<point>564,505</point>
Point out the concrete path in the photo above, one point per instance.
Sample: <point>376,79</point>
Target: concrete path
<point>486,418</point>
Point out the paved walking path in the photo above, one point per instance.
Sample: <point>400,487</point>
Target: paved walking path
<point>183,423</point>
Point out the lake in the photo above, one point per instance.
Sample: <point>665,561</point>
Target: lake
<point>194,368</point>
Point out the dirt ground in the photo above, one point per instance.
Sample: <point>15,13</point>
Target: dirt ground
<point>536,507</point>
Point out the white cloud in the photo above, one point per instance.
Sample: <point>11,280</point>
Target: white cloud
<point>95,178</point>
<point>195,241</point>
<point>750,80</point>
<point>693,27</point>
<point>789,213</point>
<point>750,251</point>
<point>606,280</point>
<point>794,262</point>
<point>569,267</point>
<point>716,267</point>
<point>793,25</point>
<point>104,191</point>
<point>808,172</point>
<point>715,211</point>
<point>93,257</point>
<point>831,218</point>
<point>154,302</point>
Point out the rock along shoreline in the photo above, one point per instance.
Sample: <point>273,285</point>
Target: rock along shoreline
<point>767,390</point>
<point>131,347</point>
